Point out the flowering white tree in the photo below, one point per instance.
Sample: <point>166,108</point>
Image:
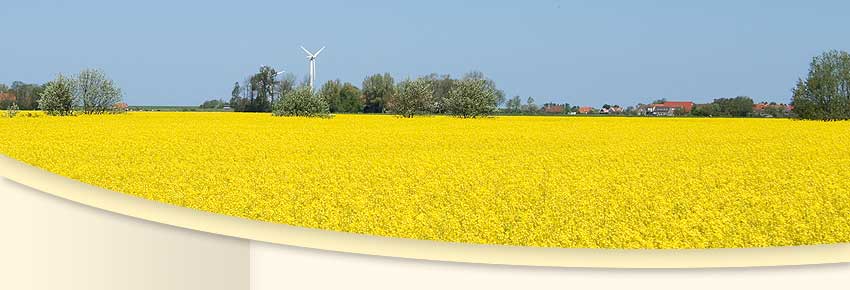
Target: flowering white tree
<point>471,98</point>
<point>58,96</point>
<point>412,97</point>
<point>301,102</point>
<point>97,93</point>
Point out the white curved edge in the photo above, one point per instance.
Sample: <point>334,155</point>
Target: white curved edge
<point>150,210</point>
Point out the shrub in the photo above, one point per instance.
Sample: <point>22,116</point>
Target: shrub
<point>13,110</point>
<point>706,110</point>
<point>301,102</point>
<point>57,99</point>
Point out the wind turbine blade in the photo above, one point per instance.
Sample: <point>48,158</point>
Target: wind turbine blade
<point>318,52</point>
<point>307,51</point>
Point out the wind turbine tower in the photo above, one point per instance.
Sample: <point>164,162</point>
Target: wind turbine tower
<point>312,58</point>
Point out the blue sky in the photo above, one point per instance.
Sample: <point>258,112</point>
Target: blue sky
<point>581,52</point>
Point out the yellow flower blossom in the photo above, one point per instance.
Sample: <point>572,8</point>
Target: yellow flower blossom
<point>576,182</point>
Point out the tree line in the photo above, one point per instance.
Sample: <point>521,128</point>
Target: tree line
<point>88,92</point>
<point>23,95</point>
<point>824,94</point>
<point>472,95</point>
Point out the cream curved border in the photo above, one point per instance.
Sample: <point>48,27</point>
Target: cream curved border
<point>93,196</point>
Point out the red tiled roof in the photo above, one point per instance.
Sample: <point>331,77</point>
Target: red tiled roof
<point>762,106</point>
<point>686,106</point>
<point>7,97</point>
<point>553,108</point>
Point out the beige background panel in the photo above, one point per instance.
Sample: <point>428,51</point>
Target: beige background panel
<point>276,267</point>
<point>52,243</point>
<point>416,249</point>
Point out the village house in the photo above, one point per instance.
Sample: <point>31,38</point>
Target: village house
<point>611,110</point>
<point>9,97</point>
<point>585,110</point>
<point>666,109</point>
<point>121,107</point>
<point>552,108</point>
<point>762,109</point>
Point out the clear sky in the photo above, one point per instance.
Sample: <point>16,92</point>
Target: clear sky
<point>168,52</point>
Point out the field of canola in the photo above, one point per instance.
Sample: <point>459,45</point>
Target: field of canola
<point>577,182</point>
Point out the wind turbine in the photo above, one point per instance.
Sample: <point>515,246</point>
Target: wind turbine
<point>312,58</point>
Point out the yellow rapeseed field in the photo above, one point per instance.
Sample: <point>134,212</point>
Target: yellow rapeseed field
<point>536,181</point>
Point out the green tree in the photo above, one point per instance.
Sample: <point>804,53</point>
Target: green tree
<point>349,99</point>
<point>377,90</point>
<point>236,90</point>
<point>413,97</point>
<point>26,95</point>
<point>263,87</point>
<point>489,83</point>
<point>740,106</point>
<point>236,102</point>
<point>5,103</point>
<point>244,102</point>
<point>212,104</point>
<point>472,98</point>
<point>514,104</point>
<point>97,93</point>
<point>301,102</point>
<point>441,86</point>
<point>341,97</point>
<point>706,110</point>
<point>825,93</point>
<point>58,99</point>
<point>286,84</point>
<point>531,106</point>
<point>331,92</point>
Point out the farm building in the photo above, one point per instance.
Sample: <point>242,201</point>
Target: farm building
<point>552,108</point>
<point>765,105</point>
<point>121,107</point>
<point>6,100</point>
<point>10,97</point>
<point>766,109</point>
<point>585,110</point>
<point>686,107</point>
<point>666,108</point>
<point>612,110</point>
